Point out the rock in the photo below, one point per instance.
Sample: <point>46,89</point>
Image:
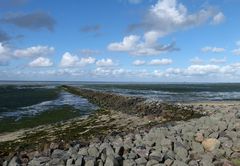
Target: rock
<point>152,162</point>
<point>132,155</point>
<point>236,146</point>
<point>39,161</point>
<point>93,151</point>
<point>197,147</point>
<point>15,161</point>
<point>181,153</point>
<point>90,163</point>
<point>56,162</point>
<point>210,144</point>
<point>111,161</point>
<point>168,162</point>
<point>100,162</point>
<point>237,115</point>
<point>57,153</point>
<point>179,163</point>
<point>79,161</point>
<point>129,162</point>
<point>83,151</point>
<point>193,163</point>
<point>156,155</point>
<point>141,161</point>
<point>206,160</point>
<point>199,137</point>
<point>70,162</point>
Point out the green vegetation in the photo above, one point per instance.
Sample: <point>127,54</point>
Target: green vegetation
<point>46,117</point>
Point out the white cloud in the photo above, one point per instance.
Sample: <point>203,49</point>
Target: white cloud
<point>138,62</point>
<point>34,51</point>
<point>135,45</point>
<point>163,18</point>
<point>89,52</point>
<point>218,18</point>
<point>41,62</point>
<point>218,61</point>
<point>86,61</point>
<point>69,60</point>
<point>196,61</point>
<point>160,62</point>
<point>236,51</point>
<point>105,62</point>
<point>201,69</point>
<point>213,49</point>
<point>167,16</point>
<point>5,55</point>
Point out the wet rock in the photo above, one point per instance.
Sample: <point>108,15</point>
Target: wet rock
<point>210,144</point>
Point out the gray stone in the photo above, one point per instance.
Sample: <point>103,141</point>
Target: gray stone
<point>237,115</point>
<point>152,162</point>
<point>129,162</point>
<point>132,155</point>
<point>100,162</point>
<point>141,161</point>
<point>193,163</point>
<point>39,161</point>
<point>14,161</point>
<point>206,160</point>
<point>181,152</point>
<point>93,151</point>
<point>79,161</point>
<point>197,147</point>
<point>61,154</point>
<point>111,161</point>
<point>56,162</point>
<point>70,162</point>
<point>214,135</point>
<point>179,163</point>
<point>90,163</point>
<point>83,151</point>
<point>168,162</point>
<point>156,155</point>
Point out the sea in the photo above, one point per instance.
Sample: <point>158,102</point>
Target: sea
<point>29,104</point>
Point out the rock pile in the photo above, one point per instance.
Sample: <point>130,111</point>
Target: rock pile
<point>207,141</point>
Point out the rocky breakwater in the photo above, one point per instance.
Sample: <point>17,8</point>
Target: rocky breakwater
<point>137,105</point>
<point>208,141</point>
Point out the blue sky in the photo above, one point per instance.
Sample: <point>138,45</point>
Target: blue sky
<point>120,40</point>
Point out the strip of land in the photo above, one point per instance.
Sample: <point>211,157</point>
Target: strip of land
<point>131,131</point>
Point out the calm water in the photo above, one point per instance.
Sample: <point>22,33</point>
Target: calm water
<point>19,100</point>
<point>174,92</point>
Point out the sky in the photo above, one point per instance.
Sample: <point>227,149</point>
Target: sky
<point>120,40</point>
